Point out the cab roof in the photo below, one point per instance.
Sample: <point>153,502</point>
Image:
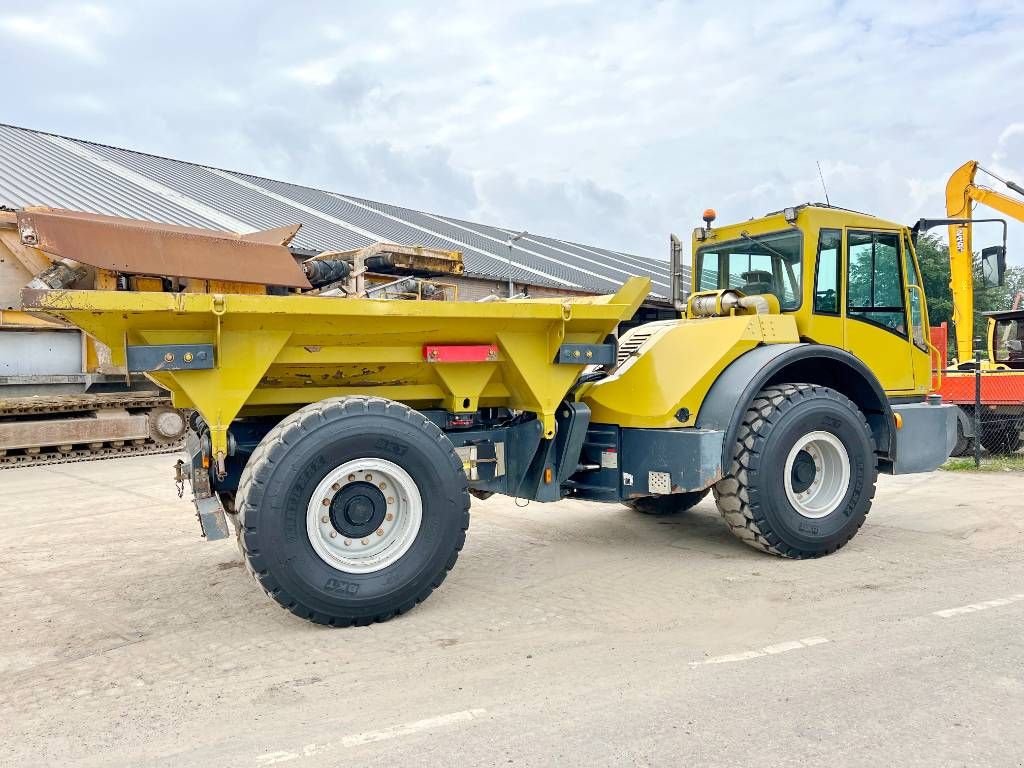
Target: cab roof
<point>826,215</point>
<point>1005,314</point>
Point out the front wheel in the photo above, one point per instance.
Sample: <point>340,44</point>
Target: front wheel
<point>803,472</point>
<point>352,510</point>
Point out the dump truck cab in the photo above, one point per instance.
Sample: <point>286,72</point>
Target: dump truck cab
<point>340,440</point>
<point>810,294</point>
<point>848,280</point>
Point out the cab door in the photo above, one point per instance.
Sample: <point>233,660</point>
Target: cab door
<point>917,306</point>
<point>876,323</point>
<point>827,323</point>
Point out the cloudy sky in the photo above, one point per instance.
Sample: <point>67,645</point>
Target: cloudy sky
<point>611,123</point>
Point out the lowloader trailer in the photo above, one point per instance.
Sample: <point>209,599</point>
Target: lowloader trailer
<point>340,441</point>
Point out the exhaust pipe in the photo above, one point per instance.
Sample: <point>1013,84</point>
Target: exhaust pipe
<point>675,273</point>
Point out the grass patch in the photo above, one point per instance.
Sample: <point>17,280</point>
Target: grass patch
<point>1012,463</point>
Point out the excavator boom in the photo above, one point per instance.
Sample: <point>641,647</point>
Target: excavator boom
<point>961,194</point>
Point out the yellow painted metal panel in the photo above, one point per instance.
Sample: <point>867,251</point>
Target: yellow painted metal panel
<point>284,351</point>
<point>676,367</point>
<point>887,354</point>
<point>15,318</point>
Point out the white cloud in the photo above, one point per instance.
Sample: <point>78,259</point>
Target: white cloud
<point>612,123</point>
<point>84,102</point>
<point>318,72</point>
<point>72,29</point>
<point>1009,151</point>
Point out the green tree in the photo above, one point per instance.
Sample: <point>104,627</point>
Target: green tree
<point>1014,285</point>
<point>933,259</point>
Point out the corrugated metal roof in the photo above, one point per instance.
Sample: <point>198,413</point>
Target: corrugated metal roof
<point>38,168</point>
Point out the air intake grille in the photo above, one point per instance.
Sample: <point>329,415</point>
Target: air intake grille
<point>631,345</point>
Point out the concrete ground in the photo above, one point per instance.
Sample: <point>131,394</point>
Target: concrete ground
<point>568,634</point>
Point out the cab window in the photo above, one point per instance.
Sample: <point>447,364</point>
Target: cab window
<point>916,315</point>
<point>755,264</point>
<point>874,290</point>
<point>1009,342</point>
<point>826,277</point>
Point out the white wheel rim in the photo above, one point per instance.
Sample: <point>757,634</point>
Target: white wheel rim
<point>330,528</point>
<point>821,494</point>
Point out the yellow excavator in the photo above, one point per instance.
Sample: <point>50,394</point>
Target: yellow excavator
<point>1000,421</point>
<point>961,195</point>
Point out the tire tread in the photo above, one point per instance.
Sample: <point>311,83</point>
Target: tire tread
<point>738,500</point>
<point>272,449</point>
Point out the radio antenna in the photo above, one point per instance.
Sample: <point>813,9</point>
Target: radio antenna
<point>822,177</point>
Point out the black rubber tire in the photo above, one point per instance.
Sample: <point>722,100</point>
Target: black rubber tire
<point>752,496</point>
<point>1000,437</point>
<point>282,474</point>
<point>964,445</point>
<point>670,504</point>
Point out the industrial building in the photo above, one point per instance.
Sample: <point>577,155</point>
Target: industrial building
<point>38,168</point>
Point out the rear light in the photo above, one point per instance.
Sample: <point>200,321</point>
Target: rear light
<point>460,353</point>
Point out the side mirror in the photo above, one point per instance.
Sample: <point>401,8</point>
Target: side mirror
<point>993,266</point>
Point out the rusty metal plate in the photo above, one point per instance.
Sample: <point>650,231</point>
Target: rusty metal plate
<point>148,248</point>
<point>106,426</point>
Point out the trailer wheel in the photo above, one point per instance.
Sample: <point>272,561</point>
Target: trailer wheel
<point>353,510</point>
<point>803,472</point>
<point>669,504</point>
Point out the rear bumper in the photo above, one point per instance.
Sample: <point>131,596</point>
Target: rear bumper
<point>926,437</point>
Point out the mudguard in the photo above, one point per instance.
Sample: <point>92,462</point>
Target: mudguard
<point>735,388</point>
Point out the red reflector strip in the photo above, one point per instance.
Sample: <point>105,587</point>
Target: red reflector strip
<point>460,353</point>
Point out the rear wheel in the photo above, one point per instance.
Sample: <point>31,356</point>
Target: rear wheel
<point>352,510</point>
<point>964,444</point>
<point>670,504</point>
<point>803,472</point>
<point>1001,437</point>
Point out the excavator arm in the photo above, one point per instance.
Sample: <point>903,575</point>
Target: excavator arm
<point>961,194</point>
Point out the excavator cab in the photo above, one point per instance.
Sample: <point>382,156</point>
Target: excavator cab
<point>1006,339</point>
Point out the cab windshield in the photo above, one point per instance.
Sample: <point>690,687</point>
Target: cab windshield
<point>755,264</point>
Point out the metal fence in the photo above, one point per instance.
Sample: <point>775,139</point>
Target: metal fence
<point>991,416</point>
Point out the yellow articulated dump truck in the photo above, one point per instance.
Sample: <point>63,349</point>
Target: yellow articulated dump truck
<point>340,441</point>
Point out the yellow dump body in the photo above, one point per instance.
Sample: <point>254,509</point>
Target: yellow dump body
<point>273,354</point>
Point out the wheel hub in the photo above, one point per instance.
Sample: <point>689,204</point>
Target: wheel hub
<point>817,474</point>
<point>358,509</point>
<point>804,472</point>
<point>364,515</point>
